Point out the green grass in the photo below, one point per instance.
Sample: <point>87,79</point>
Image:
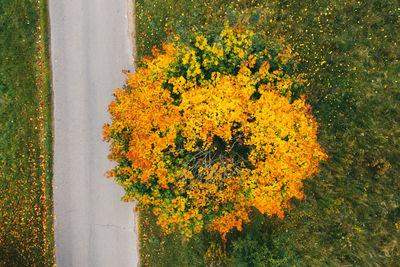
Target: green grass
<point>350,55</point>
<point>159,250</point>
<point>26,220</point>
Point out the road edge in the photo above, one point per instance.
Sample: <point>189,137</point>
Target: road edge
<point>131,27</point>
<point>131,13</point>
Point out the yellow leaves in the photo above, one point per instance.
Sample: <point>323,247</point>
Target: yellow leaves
<point>284,86</point>
<point>207,112</point>
<point>267,199</point>
<point>188,56</point>
<point>227,31</point>
<point>217,51</point>
<point>201,42</point>
<point>237,41</point>
<point>227,221</point>
<point>206,62</point>
<point>397,224</point>
<point>241,53</point>
<point>204,152</point>
<point>264,69</point>
<point>179,84</point>
<point>145,200</point>
<point>252,60</point>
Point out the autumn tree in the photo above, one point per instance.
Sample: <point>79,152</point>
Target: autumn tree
<point>210,128</point>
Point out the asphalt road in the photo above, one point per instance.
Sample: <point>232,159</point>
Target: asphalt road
<point>89,48</point>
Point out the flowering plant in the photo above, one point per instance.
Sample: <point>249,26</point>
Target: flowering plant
<point>209,129</point>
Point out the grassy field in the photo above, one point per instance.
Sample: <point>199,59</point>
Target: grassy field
<point>26,220</point>
<point>350,53</point>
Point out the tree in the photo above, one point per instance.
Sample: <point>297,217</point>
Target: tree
<point>211,128</point>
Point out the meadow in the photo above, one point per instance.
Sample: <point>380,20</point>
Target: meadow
<point>350,58</point>
<point>26,230</point>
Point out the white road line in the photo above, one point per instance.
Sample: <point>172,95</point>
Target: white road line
<point>90,47</point>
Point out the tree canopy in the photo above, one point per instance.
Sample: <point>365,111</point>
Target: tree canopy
<point>210,128</point>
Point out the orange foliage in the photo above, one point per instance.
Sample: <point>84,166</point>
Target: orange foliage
<point>201,144</point>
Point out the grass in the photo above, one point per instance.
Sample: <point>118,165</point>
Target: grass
<point>350,53</point>
<point>157,249</point>
<point>26,220</point>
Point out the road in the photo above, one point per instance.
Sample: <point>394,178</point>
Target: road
<point>89,48</point>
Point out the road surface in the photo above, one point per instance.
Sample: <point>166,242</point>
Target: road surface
<point>90,47</point>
